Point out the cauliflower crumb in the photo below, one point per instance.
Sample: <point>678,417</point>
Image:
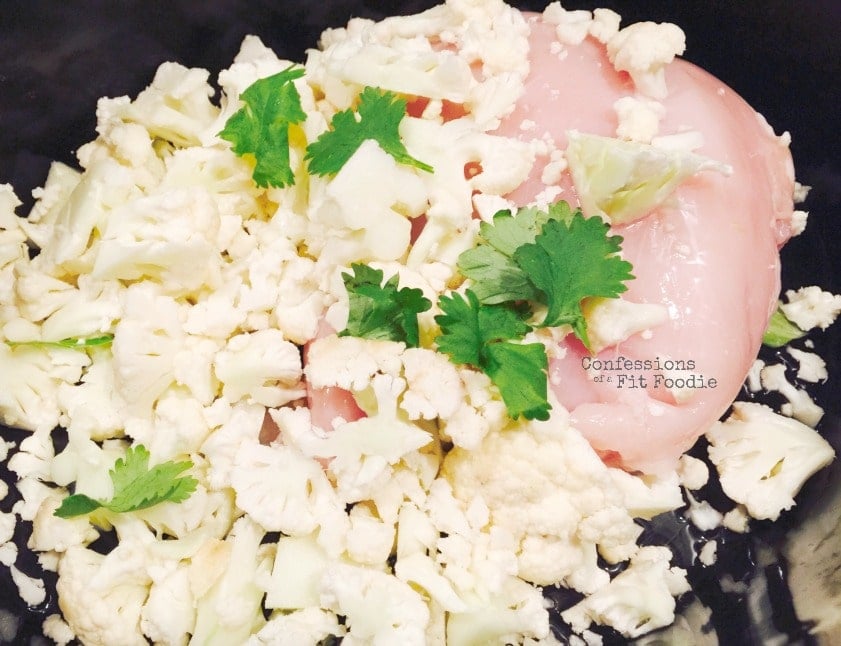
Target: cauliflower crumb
<point>811,307</point>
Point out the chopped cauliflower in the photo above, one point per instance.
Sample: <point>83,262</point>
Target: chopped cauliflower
<point>764,458</point>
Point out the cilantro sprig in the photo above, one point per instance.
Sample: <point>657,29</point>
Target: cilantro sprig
<point>136,486</point>
<point>72,343</point>
<point>382,311</point>
<point>485,337</point>
<point>261,126</point>
<point>378,116</point>
<point>261,129</point>
<point>555,258</point>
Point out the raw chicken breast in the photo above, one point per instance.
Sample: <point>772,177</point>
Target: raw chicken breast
<point>710,256</point>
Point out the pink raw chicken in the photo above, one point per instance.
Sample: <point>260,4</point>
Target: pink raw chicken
<point>710,256</point>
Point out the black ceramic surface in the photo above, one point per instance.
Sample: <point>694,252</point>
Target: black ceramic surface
<point>783,56</point>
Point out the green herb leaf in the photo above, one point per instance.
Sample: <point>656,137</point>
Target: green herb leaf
<point>379,116</point>
<point>780,330</point>
<point>136,486</point>
<point>261,127</point>
<point>496,277</point>
<point>382,311</point>
<point>570,262</point>
<point>72,343</point>
<point>483,336</point>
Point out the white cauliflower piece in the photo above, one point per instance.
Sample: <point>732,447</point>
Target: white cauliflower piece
<point>479,412</point>
<point>544,480</point>
<point>105,186</point>
<point>169,237</point>
<point>283,490</point>
<point>363,452</point>
<point>350,362</point>
<point>764,458</point>
<point>92,407</point>
<point>97,612</point>
<point>231,610</point>
<point>379,608</point>
<point>51,533</point>
<point>433,386</point>
<point>366,208</point>
<point>242,426</point>
<point>517,610</point>
<point>169,614</point>
<point>811,307</point>
<point>639,118</point>
<point>260,367</point>
<point>146,342</point>
<point>299,564</point>
<point>55,628</point>
<point>307,627</point>
<point>29,381</point>
<point>176,106</point>
<point>638,600</point>
<point>369,539</point>
<point>643,50</point>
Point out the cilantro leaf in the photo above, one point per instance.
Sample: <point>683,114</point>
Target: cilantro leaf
<point>261,126</point>
<point>482,336</point>
<point>497,278</point>
<point>73,343</point>
<point>380,113</point>
<point>136,486</point>
<point>780,330</point>
<point>382,311</point>
<point>570,262</point>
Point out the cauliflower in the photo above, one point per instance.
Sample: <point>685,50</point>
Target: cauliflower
<point>380,609</point>
<point>30,378</point>
<point>100,612</point>
<point>307,627</point>
<point>643,49</point>
<point>169,614</point>
<point>811,307</point>
<point>261,367</point>
<point>517,610</point>
<point>544,484</point>
<point>299,563</point>
<point>283,490</point>
<point>364,451</point>
<point>764,458</point>
<point>231,610</point>
<point>638,600</point>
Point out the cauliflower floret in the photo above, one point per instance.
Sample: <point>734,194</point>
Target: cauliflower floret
<point>643,50</point>
<point>545,485</point>
<point>261,367</point>
<point>176,106</point>
<point>364,212</point>
<point>242,425</point>
<point>764,458</point>
<point>517,610</point>
<point>168,616</point>
<point>168,236</point>
<point>307,627</point>
<point>433,385</point>
<point>283,490</point>
<point>100,612</point>
<point>369,539</point>
<point>146,342</point>
<point>350,362</point>
<point>364,451</point>
<point>636,601</point>
<point>55,628</point>
<point>810,307</point>
<point>51,533</point>
<point>29,381</point>
<point>380,609</point>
